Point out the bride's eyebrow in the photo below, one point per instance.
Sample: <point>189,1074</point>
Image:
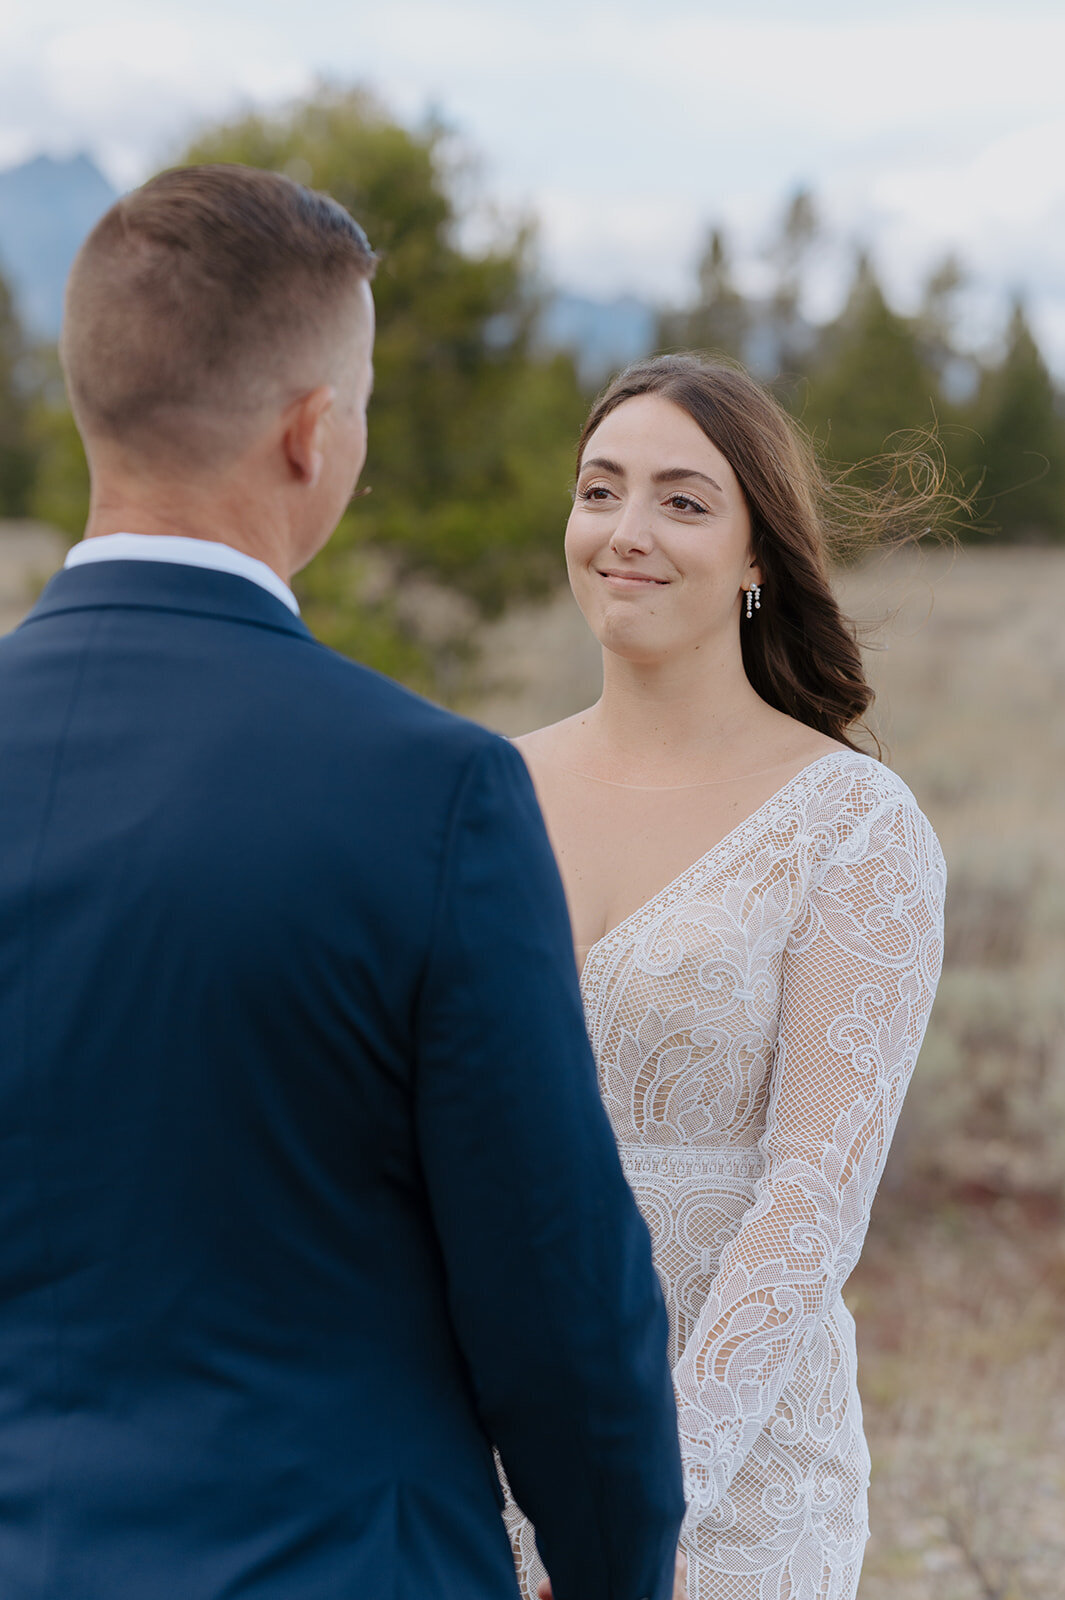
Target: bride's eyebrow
<point>667,475</point>
<point>679,474</point>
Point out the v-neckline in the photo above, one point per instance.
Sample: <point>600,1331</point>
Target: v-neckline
<point>727,839</point>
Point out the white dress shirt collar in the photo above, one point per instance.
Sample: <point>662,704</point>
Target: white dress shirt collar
<point>175,548</point>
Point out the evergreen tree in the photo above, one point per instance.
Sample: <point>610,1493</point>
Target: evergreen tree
<point>16,456</point>
<point>718,322</point>
<point>1022,440</point>
<point>870,381</point>
<point>789,255</point>
<point>956,371</point>
<point>936,321</point>
<point>471,434</point>
<point>61,483</point>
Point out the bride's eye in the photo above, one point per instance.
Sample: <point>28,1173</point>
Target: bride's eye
<point>596,492</point>
<point>684,502</point>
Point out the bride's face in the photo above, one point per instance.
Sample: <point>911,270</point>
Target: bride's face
<point>658,544</point>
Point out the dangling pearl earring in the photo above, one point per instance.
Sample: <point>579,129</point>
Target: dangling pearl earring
<point>754,599</point>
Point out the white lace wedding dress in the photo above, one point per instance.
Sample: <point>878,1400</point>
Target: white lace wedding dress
<point>756,1024</point>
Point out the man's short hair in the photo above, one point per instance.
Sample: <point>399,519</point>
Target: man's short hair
<point>200,298</point>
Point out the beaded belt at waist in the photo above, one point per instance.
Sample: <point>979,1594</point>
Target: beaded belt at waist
<point>690,1162</point>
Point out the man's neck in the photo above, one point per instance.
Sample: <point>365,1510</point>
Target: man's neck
<point>166,511</point>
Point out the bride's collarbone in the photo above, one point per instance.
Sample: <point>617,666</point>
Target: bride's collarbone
<point>619,847</point>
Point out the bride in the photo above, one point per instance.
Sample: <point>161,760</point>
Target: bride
<point>757,913</point>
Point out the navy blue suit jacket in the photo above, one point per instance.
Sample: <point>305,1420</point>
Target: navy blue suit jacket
<point>307,1196</point>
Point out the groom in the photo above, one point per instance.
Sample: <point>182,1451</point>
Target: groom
<point>308,1198</point>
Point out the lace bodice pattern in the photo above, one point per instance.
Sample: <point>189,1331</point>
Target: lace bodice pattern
<point>756,1025</point>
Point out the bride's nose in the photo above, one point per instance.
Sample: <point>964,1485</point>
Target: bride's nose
<point>632,532</point>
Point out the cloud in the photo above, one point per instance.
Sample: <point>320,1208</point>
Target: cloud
<point>626,128</point>
<point>1000,206</point>
<point>133,88</point>
<point>1009,190</point>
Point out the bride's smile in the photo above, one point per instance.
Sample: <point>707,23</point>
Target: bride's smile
<point>632,579</point>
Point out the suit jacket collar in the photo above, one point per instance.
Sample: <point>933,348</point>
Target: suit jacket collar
<point>165,586</point>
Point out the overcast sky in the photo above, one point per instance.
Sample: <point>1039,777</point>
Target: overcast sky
<point>923,125</point>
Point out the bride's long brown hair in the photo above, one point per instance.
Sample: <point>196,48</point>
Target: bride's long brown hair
<point>800,653</point>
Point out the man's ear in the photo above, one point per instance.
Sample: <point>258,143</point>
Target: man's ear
<point>302,439</point>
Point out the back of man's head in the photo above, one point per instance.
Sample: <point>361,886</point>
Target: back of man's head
<point>200,302</point>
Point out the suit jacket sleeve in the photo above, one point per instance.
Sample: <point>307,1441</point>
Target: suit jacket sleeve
<point>548,1261</point>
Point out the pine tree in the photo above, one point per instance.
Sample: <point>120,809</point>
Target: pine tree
<point>1022,440</point>
<point>16,456</point>
<point>718,322</point>
<point>470,433</point>
<point>61,486</point>
<point>789,255</point>
<point>937,317</point>
<point>956,371</point>
<point>870,382</point>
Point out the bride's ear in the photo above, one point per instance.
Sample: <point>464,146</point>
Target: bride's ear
<point>303,439</point>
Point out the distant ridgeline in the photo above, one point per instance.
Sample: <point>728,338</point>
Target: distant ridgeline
<point>602,335</point>
<point>47,206</point>
<point>46,209</point>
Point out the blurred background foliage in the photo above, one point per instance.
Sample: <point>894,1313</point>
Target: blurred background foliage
<point>474,420</point>
<point>18,459</point>
<point>470,427</point>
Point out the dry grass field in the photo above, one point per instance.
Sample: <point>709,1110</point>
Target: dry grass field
<point>960,1296</point>
<point>29,554</point>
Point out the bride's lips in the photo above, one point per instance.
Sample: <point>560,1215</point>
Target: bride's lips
<point>630,580</point>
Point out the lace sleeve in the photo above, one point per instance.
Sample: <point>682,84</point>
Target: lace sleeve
<point>860,972</point>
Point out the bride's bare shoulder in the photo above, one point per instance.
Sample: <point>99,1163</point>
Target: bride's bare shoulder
<point>548,745</point>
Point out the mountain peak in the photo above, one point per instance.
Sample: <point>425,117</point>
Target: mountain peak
<point>47,206</point>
